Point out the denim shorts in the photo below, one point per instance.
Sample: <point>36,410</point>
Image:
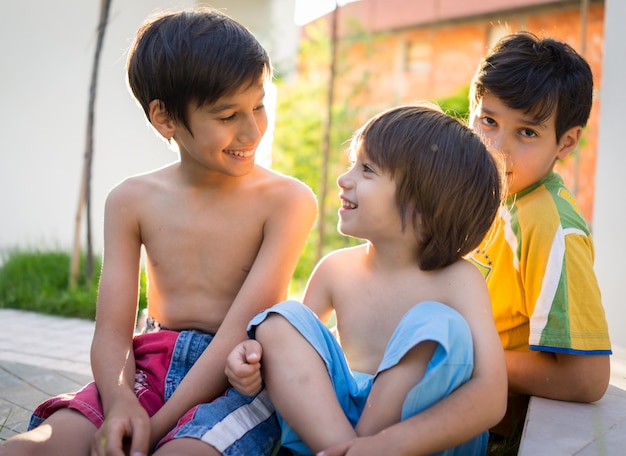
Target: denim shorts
<point>233,423</point>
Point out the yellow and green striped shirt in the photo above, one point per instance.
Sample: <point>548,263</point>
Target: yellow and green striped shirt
<point>538,263</point>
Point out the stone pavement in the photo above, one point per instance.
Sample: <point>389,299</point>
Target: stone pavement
<point>40,356</point>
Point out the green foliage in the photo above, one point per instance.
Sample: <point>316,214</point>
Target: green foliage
<point>457,104</point>
<point>37,280</point>
<point>298,146</point>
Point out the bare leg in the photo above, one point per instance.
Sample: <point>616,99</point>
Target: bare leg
<point>389,391</point>
<point>188,447</point>
<point>66,432</point>
<point>299,385</point>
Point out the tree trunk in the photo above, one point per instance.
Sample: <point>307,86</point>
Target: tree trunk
<point>84,198</point>
<point>321,226</point>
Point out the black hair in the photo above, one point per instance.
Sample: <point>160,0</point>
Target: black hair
<point>540,76</point>
<point>193,56</point>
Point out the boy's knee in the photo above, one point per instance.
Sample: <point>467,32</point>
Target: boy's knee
<point>272,329</point>
<point>21,445</point>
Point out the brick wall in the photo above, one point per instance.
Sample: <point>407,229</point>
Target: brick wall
<point>431,61</point>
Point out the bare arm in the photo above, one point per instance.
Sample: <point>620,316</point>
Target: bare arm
<point>266,284</point>
<point>112,357</point>
<point>243,366</point>
<point>317,296</point>
<point>558,376</point>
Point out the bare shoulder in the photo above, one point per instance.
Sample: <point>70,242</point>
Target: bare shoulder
<point>267,183</point>
<point>463,270</point>
<point>337,266</point>
<point>466,288</point>
<point>468,294</point>
<point>332,274</point>
<point>138,187</point>
<point>344,259</point>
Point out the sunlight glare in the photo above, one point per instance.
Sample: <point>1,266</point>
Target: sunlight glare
<point>309,10</point>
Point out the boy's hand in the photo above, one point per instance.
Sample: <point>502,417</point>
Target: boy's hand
<point>243,367</point>
<point>125,431</point>
<point>361,446</point>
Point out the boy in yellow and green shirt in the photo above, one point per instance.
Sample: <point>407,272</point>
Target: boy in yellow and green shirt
<point>530,99</point>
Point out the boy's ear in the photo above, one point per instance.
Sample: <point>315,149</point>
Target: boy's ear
<point>160,119</point>
<point>569,141</point>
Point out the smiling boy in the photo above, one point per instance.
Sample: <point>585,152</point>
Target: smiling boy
<point>222,237</point>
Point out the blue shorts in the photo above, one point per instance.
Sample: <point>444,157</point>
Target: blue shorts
<point>450,366</point>
<point>233,423</point>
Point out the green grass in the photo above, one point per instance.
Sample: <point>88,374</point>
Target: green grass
<point>4,423</point>
<point>38,281</point>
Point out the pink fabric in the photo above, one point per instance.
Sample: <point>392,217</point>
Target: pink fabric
<point>153,353</point>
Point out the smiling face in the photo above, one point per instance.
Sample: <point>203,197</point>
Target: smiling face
<point>368,201</point>
<point>420,182</point>
<point>223,136</point>
<point>530,148</point>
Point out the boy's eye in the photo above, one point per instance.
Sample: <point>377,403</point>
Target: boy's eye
<point>367,168</point>
<point>227,118</point>
<point>528,133</point>
<point>234,115</point>
<point>488,121</point>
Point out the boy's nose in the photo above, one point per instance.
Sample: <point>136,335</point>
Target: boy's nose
<point>343,180</point>
<point>500,146</point>
<point>498,143</point>
<point>250,131</point>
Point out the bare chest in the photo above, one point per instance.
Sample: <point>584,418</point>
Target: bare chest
<point>198,257</point>
<point>369,313</point>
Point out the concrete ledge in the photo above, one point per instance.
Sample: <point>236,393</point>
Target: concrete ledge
<point>567,428</point>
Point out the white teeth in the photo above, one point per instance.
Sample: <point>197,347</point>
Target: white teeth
<point>348,205</point>
<point>239,153</point>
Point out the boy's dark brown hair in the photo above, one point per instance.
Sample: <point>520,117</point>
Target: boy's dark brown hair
<point>193,56</point>
<point>539,76</point>
<point>448,186</point>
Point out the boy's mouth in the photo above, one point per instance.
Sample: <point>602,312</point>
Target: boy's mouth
<point>345,204</point>
<point>240,153</point>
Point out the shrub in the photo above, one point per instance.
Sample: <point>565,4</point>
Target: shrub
<point>38,280</point>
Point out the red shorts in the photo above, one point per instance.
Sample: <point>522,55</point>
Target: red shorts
<point>153,355</point>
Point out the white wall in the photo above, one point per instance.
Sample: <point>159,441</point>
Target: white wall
<point>45,68</point>
<point>609,221</point>
<point>272,22</point>
<point>46,65</point>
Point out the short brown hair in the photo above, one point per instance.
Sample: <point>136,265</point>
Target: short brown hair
<point>448,186</point>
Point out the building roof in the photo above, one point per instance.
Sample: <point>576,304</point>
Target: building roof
<point>376,15</point>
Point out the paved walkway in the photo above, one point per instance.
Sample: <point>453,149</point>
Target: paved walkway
<point>40,356</point>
